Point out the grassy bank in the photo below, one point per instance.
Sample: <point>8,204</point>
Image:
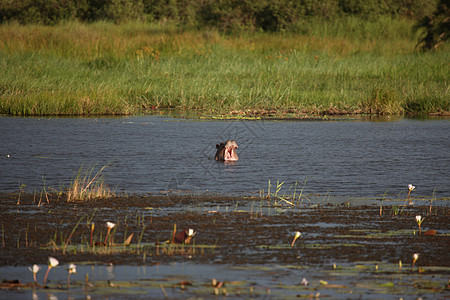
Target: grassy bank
<point>101,68</point>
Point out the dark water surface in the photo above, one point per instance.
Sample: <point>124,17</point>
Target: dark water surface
<point>150,154</point>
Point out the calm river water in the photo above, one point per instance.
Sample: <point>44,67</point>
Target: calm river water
<point>150,154</point>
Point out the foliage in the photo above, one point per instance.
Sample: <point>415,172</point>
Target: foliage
<point>121,11</point>
<point>436,27</point>
<point>224,15</point>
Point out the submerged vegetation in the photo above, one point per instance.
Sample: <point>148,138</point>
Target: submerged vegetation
<point>357,60</point>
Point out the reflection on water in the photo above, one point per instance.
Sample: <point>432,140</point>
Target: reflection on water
<point>111,281</point>
<point>150,154</point>
<point>186,281</point>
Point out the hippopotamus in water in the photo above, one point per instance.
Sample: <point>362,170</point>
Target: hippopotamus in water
<point>227,151</point>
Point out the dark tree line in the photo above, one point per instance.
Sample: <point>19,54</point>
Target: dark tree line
<point>250,14</point>
<point>231,15</point>
<point>436,25</point>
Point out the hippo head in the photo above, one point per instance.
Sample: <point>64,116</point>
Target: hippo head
<point>227,151</point>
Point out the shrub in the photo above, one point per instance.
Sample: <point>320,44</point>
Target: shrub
<point>436,27</point>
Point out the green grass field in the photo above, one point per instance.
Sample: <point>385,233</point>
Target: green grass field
<point>331,68</point>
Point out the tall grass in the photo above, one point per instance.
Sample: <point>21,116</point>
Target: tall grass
<point>101,68</point>
<point>88,185</point>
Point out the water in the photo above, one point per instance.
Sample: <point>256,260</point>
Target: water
<point>189,281</point>
<point>150,154</point>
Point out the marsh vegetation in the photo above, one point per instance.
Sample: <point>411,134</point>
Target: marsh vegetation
<point>339,243</point>
<point>326,66</point>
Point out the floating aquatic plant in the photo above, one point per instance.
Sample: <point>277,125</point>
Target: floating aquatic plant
<point>415,258</point>
<point>110,226</point>
<point>410,189</point>
<point>305,282</point>
<point>297,235</point>
<point>52,263</point>
<point>419,221</point>
<point>35,269</point>
<point>72,270</point>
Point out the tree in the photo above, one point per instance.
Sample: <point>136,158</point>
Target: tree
<point>436,27</point>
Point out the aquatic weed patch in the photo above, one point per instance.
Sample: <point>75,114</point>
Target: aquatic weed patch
<point>342,248</point>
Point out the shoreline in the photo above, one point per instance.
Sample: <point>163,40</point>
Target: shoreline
<point>251,115</point>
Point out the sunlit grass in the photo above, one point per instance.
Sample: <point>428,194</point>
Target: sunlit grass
<point>88,185</point>
<point>101,68</point>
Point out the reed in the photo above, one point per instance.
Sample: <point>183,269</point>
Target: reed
<point>21,187</point>
<point>70,236</point>
<point>88,186</point>
<point>348,66</point>
<point>279,199</point>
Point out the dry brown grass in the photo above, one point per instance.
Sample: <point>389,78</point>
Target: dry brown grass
<point>87,186</point>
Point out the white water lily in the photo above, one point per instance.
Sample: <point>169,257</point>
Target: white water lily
<point>53,262</point>
<point>72,269</point>
<point>410,189</point>
<point>52,297</point>
<point>34,269</point>
<point>415,258</point>
<point>419,221</point>
<point>110,225</point>
<point>305,282</point>
<point>297,235</point>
